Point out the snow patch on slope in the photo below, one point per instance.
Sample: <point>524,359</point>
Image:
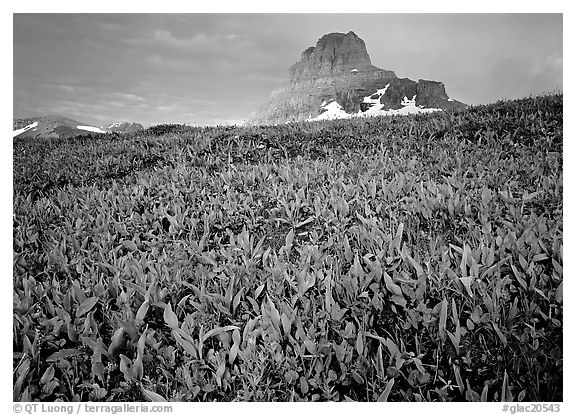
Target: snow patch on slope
<point>335,111</point>
<point>410,109</point>
<point>21,130</point>
<point>379,94</point>
<point>409,102</point>
<point>376,107</point>
<point>91,129</point>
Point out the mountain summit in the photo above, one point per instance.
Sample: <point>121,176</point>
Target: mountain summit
<point>336,79</point>
<point>334,54</point>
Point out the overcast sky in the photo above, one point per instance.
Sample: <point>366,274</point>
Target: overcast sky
<point>218,68</point>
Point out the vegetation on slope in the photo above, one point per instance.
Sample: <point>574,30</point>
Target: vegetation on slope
<point>400,259</point>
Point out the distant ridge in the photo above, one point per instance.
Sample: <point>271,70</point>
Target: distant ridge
<point>54,126</point>
<point>123,127</point>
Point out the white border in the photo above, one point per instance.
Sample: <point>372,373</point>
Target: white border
<point>293,6</point>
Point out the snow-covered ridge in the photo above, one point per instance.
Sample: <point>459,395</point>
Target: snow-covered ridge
<point>335,110</point>
<point>21,130</point>
<point>91,129</point>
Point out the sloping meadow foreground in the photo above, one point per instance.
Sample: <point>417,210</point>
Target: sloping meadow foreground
<point>395,258</point>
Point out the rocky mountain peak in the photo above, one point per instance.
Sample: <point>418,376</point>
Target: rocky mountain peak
<point>334,53</point>
<point>336,78</point>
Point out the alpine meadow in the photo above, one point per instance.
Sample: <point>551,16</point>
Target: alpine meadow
<point>397,258</point>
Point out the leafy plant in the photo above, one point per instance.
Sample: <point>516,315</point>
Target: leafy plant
<point>386,259</point>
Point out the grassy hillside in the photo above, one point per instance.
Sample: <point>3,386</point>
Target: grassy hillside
<point>399,259</point>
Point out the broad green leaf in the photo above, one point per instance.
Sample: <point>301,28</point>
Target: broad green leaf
<point>304,222</point>
<point>185,344</point>
<point>116,341</point>
<point>138,363</point>
<point>237,298</point>
<point>528,197</point>
<point>286,323</point>
<point>217,330</point>
<point>347,251</point>
<point>398,238</point>
<point>236,336</point>
<point>259,290</point>
<point>386,392</point>
<point>523,262</point>
<point>471,395</point>
<point>360,343</point>
<point>131,246</point>
<point>506,393</point>
<point>233,352</point>
<point>225,338</point>
<point>513,312</point>
<point>519,277</point>
<point>416,265</point>
<point>484,396</point>
<point>306,280</point>
<point>289,240</point>
<point>458,378</point>
<point>442,320</point>
<point>342,207</point>
<point>48,375</point>
<point>310,346</point>
<point>229,292</point>
<point>356,269</point>
<point>126,367</point>
<point>274,314</point>
<point>23,370</point>
<point>98,369</point>
<point>467,283</point>
<point>142,310</point>
<point>500,334</point>
<point>540,257</point>
<point>170,317</point>
<point>392,348</point>
<point>86,306</point>
<point>521,395</point>
<point>399,300</point>
<point>153,396</point>
<point>379,362</point>
<point>63,354</point>
<point>465,253</point>
<point>390,285</point>
<point>560,293</point>
<point>220,372</point>
<point>291,376</point>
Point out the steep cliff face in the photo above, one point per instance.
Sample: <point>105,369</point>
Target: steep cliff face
<point>339,69</point>
<point>334,54</point>
<point>398,89</point>
<point>430,93</point>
